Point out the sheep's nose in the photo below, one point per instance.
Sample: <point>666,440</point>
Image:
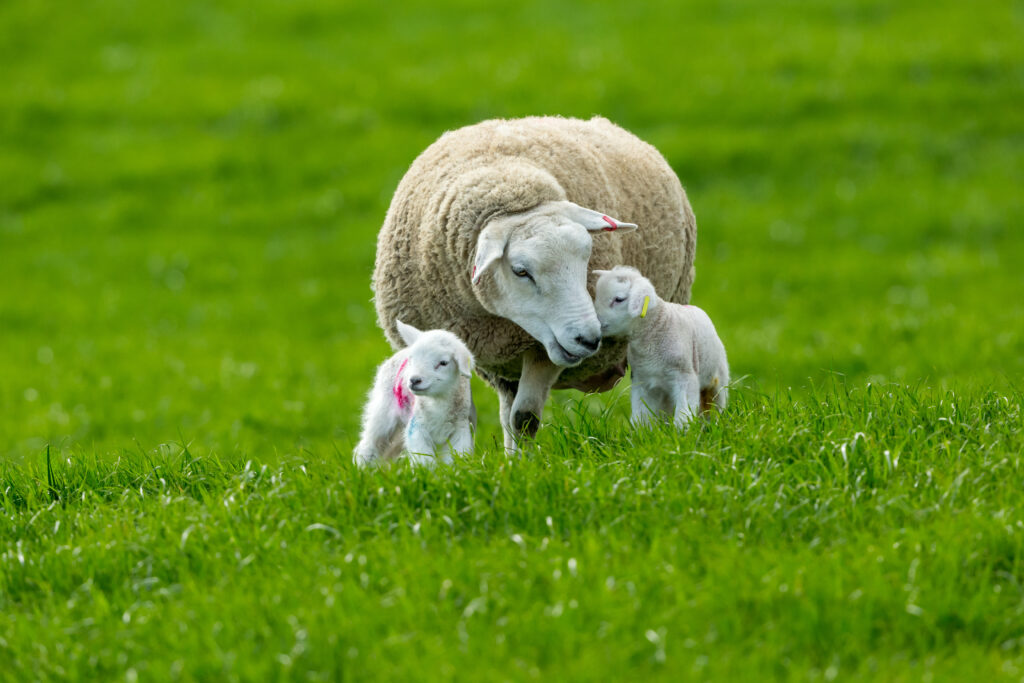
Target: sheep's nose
<point>415,382</point>
<point>589,344</point>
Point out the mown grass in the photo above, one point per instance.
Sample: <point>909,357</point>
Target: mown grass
<point>189,199</point>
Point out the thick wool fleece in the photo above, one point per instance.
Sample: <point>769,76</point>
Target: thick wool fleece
<point>426,247</point>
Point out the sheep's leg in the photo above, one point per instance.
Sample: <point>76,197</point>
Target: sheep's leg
<point>722,398</point>
<point>506,396</point>
<point>714,395</point>
<point>419,447</point>
<point>686,399</point>
<point>461,442</point>
<point>539,375</point>
<point>381,430</point>
<point>722,377</point>
<point>640,402</point>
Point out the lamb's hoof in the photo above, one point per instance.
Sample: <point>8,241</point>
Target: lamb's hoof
<point>526,423</point>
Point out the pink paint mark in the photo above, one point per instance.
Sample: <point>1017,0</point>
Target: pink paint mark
<point>610,222</point>
<point>403,399</point>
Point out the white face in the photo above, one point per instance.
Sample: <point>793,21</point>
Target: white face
<point>435,362</point>
<point>614,302</point>
<point>536,269</point>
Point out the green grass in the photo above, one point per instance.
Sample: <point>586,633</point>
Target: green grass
<point>868,531</point>
<point>189,199</point>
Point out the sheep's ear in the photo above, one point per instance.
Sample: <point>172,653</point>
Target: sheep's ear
<point>640,297</point>
<point>408,333</point>
<point>595,221</point>
<point>464,359</point>
<point>490,246</point>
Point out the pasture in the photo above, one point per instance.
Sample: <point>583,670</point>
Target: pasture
<point>189,201</point>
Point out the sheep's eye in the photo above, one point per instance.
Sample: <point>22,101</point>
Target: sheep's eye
<point>441,363</point>
<point>519,271</point>
<point>618,299</point>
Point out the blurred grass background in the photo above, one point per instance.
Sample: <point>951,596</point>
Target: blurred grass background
<point>190,192</point>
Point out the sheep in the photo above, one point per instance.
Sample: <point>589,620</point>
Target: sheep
<point>678,361</point>
<point>421,399</point>
<point>491,232</point>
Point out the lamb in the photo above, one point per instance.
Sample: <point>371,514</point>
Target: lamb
<point>678,361</point>
<point>491,232</point>
<point>423,394</point>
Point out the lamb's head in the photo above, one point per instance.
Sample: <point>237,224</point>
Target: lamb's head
<point>621,296</point>
<point>436,361</point>
<point>531,268</point>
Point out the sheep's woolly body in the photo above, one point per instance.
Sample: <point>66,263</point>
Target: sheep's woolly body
<point>427,244</point>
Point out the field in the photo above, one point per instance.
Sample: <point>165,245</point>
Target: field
<point>189,200</point>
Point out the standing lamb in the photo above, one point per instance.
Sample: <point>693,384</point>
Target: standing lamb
<point>487,236</point>
<point>420,398</point>
<point>678,361</point>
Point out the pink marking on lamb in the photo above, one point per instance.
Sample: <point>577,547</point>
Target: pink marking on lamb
<point>403,399</point>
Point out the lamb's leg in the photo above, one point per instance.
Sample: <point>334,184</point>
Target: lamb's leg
<point>640,402</point>
<point>381,430</point>
<point>722,397</point>
<point>461,441</point>
<point>722,377</point>
<point>539,375</point>
<point>686,399</point>
<point>419,447</point>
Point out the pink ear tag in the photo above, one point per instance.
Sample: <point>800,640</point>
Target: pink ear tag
<point>610,222</point>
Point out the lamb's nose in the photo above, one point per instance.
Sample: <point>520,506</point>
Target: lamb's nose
<point>589,344</point>
<point>415,382</point>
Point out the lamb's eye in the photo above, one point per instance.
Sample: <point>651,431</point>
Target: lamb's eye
<point>519,271</point>
<point>441,364</point>
<point>618,299</point>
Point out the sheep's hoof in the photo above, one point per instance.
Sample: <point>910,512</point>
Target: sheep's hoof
<point>526,423</point>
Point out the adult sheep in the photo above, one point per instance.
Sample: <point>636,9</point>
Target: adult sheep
<point>491,235</point>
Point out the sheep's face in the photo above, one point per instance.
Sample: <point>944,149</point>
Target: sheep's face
<point>436,361</point>
<point>531,268</point>
<point>619,299</point>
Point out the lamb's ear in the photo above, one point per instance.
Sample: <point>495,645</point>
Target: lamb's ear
<point>640,296</point>
<point>595,221</point>
<point>490,246</point>
<point>599,273</point>
<point>464,359</point>
<point>408,333</point>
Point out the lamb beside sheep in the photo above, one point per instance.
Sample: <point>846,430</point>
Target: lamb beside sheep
<point>420,399</point>
<point>490,235</point>
<point>678,362</point>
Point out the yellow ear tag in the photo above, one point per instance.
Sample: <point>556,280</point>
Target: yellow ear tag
<point>643,311</point>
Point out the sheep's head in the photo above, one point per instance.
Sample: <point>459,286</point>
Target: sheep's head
<point>621,296</point>
<point>531,268</point>
<point>436,361</point>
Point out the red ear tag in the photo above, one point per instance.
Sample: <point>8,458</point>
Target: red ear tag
<point>610,222</point>
<point>473,276</point>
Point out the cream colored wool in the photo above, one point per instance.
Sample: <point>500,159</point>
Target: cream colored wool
<point>426,247</point>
